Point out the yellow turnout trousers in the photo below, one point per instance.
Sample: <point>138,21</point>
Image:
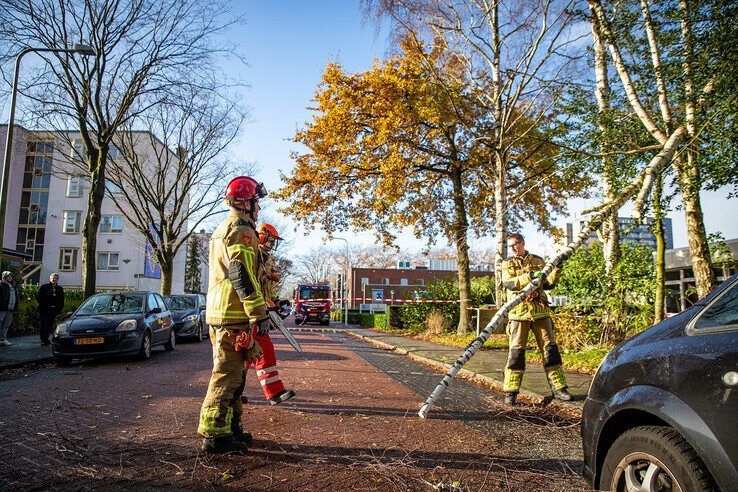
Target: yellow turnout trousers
<point>517,331</point>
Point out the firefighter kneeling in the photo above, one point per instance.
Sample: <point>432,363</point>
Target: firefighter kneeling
<point>235,307</point>
<point>533,315</point>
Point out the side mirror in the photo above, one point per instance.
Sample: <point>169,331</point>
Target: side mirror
<point>156,310</point>
<point>68,313</point>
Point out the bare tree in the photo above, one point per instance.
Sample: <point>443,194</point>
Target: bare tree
<point>144,48</point>
<point>166,194</point>
<point>315,266</point>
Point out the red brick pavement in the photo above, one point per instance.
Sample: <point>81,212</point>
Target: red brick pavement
<point>130,425</point>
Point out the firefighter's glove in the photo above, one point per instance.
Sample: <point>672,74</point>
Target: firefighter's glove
<point>253,353</point>
<point>539,274</point>
<point>242,341</point>
<point>263,326</point>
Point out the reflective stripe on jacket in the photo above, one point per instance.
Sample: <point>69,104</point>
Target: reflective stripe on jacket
<point>516,275</point>
<point>234,239</point>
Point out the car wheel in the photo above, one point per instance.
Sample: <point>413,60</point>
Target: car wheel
<point>651,458</point>
<point>326,322</point>
<point>145,352</point>
<point>169,346</point>
<point>200,335</point>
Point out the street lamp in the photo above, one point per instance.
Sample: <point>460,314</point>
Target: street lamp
<point>345,278</point>
<point>81,49</point>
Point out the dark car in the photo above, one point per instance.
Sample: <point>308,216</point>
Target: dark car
<point>188,314</point>
<point>662,411</point>
<point>118,323</point>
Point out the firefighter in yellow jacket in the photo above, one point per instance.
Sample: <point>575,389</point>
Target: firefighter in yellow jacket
<point>235,307</point>
<point>534,315</point>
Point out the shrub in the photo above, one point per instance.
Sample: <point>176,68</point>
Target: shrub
<point>26,318</point>
<point>436,322</point>
<point>380,321</point>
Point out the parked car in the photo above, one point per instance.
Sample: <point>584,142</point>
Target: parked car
<point>118,323</point>
<point>662,410</point>
<point>188,314</point>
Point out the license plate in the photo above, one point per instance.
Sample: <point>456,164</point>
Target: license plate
<point>89,341</point>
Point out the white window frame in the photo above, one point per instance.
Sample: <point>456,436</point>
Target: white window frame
<point>421,282</point>
<point>74,191</point>
<point>71,265</point>
<point>385,281</point>
<point>108,267</point>
<point>364,280</point>
<point>111,220</point>
<point>78,219</point>
<point>403,281</point>
<point>112,188</point>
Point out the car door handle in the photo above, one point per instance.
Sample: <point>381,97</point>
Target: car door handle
<point>730,378</point>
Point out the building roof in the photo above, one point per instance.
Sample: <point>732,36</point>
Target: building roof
<point>681,258</point>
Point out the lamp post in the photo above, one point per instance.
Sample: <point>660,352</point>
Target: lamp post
<point>345,279</point>
<point>81,49</point>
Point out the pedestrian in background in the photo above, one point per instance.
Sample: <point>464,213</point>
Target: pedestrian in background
<point>9,299</point>
<point>50,299</point>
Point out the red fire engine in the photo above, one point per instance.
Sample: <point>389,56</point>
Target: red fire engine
<point>313,303</point>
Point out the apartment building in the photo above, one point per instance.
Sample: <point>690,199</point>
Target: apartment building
<point>45,212</point>
<point>631,231</point>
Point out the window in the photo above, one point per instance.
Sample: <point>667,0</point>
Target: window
<point>364,280</point>
<point>421,281</point>
<point>112,188</point>
<point>403,281</point>
<point>74,186</point>
<point>78,150</point>
<point>721,313</point>
<point>71,221</point>
<point>107,261</point>
<point>385,281</point>
<point>111,223</point>
<point>68,259</point>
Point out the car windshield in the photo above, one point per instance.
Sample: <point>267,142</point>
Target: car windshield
<point>181,303</point>
<point>112,304</point>
<point>312,293</point>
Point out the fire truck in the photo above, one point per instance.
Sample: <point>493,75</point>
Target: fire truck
<point>313,303</point>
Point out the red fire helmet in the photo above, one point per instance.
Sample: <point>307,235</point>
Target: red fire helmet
<point>244,188</point>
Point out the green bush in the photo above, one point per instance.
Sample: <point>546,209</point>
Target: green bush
<point>413,317</point>
<point>26,318</point>
<point>380,321</point>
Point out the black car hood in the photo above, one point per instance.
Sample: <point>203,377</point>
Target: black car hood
<point>178,316</point>
<point>96,324</point>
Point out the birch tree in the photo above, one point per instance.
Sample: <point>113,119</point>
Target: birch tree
<point>143,48</point>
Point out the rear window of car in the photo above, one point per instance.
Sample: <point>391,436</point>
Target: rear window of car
<point>722,313</point>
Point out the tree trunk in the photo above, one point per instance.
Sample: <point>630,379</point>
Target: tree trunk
<point>660,260</point>
<point>500,229</point>
<point>689,183</point>
<point>166,262</point>
<point>96,162</point>
<point>688,171</point>
<point>462,251</point>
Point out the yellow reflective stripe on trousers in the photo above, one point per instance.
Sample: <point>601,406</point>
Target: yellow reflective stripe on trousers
<point>208,423</point>
<point>557,378</point>
<point>513,380</point>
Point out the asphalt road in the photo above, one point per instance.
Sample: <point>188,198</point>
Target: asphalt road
<point>124,424</point>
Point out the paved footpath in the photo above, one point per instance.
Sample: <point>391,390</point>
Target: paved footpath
<point>486,366</point>
<point>25,350</point>
<point>123,424</point>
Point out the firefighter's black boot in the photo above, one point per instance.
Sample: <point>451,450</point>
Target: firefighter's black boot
<point>562,394</point>
<point>511,398</point>
<point>283,396</point>
<point>241,436</point>
<point>223,444</point>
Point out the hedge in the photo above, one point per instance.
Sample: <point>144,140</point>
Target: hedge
<point>26,318</point>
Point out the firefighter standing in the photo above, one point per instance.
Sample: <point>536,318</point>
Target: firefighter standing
<point>534,315</point>
<point>266,367</point>
<point>235,306</point>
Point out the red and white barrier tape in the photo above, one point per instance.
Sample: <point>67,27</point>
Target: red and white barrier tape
<point>366,300</point>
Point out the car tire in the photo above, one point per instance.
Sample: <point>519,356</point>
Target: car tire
<point>200,336</point>
<point>172,342</point>
<point>326,322</point>
<point>144,352</point>
<point>62,361</point>
<point>653,458</point>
